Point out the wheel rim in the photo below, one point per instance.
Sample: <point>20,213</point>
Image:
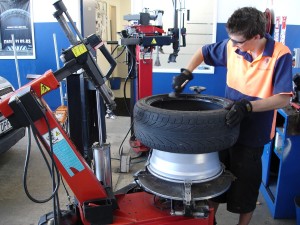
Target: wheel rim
<point>176,167</point>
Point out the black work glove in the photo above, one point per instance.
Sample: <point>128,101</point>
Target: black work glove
<point>238,111</point>
<point>181,80</point>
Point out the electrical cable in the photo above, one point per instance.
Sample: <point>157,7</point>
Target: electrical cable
<point>115,48</point>
<point>66,190</point>
<point>26,171</point>
<point>132,60</point>
<point>124,97</point>
<point>143,160</point>
<point>124,92</point>
<point>121,145</point>
<point>120,53</point>
<point>126,79</point>
<point>56,207</point>
<point>114,158</point>
<point>55,187</point>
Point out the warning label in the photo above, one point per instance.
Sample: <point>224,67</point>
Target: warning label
<point>79,50</point>
<point>44,89</point>
<point>64,152</point>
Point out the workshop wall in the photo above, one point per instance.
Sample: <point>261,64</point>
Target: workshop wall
<point>45,25</point>
<point>215,83</point>
<point>110,22</point>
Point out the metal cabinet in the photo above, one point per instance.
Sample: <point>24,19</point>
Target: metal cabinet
<point>281,165</point>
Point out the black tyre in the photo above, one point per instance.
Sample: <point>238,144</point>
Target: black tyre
<point>190,124</point>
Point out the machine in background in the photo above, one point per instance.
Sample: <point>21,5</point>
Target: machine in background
<point>145,34</point>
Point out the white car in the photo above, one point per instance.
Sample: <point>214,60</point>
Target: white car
<point>8,135</point>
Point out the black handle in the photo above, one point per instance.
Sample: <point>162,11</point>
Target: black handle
<point>96,43</point>
<point>110,59</point>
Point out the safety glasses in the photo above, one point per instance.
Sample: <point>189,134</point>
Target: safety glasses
<point>238,42</point>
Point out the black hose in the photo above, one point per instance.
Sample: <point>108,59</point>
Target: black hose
<point>54,194</point>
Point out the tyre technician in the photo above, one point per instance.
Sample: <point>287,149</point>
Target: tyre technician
<point>259,80</point>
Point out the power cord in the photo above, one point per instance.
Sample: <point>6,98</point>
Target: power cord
<point>52,170</point>
<point>127,78</point>
<point>121,145</point>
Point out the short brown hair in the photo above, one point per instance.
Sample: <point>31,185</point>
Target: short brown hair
<point>247,21</point>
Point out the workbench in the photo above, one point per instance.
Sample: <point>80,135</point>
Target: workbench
<point>281,165</point>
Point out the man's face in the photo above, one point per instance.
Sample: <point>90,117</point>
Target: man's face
<point>241,42</point>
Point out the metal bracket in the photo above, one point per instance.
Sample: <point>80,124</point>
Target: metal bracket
<point>197,89</point>
<point>187,192</point>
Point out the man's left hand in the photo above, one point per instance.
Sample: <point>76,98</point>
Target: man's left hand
<point>238,111</point>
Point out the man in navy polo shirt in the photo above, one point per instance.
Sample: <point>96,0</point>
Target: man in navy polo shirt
<point>259,81</point>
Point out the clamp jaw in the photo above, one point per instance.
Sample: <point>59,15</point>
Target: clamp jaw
<point>197,89</point>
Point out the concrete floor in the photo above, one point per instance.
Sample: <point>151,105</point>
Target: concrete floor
<point>17,209</point>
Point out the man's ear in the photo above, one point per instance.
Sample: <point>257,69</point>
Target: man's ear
<point>258,37</point>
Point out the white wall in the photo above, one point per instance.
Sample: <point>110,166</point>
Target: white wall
<point>227,7</point>
<point>289,8</point>
<point>43,10</point>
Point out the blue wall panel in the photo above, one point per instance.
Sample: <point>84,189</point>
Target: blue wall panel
<point>292,40</point>
<point>45,59</point>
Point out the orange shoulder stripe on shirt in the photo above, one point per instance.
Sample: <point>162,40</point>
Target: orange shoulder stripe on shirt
<point>253,78</point>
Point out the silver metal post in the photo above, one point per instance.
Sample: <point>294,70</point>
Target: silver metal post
<point>103,164</point>
<point>16,60</point>
<point>58,67</point>
<point>102,154</point>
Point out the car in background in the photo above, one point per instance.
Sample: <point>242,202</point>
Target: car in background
<point>8,135</point>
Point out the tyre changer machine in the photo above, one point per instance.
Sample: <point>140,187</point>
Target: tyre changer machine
<point>176,199</point>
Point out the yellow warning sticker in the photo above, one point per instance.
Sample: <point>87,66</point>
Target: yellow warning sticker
<point>153,42</point>
<point>44,88</point>
<point>79,50</point>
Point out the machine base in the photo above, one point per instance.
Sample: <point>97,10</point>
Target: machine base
<point>138,208</point>
<point>171,190</point>
<point>143,208</point>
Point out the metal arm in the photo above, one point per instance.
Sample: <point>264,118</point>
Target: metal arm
<point>178,33</point>
<point>81,51</point>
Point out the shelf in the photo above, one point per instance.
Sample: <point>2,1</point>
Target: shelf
<point>281,165</point>
<point>280,130</point>
<point>273,186</point>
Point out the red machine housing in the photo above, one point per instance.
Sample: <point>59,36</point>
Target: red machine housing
<point>145,67</point>
<point>133,208</point>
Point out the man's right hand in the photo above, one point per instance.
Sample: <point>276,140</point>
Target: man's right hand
<point>180,81</point>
